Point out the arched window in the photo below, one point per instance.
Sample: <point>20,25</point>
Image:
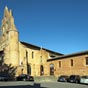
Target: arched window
<point>41,70</point>
<point>51,69</point>
<point>29,69</point>
<point>26,54</point>
<point>32,54</point>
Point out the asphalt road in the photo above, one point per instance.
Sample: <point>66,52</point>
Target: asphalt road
<point>21,84</point>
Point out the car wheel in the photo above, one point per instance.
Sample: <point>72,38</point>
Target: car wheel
<point>24,79</point>
<point>76,81</point>
<point>15,79</point>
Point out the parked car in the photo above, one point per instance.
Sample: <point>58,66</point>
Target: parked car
<point>74,79</point>
<point>84,79</point>
<point>63,78</point>
<point>5,78</point>
<point>25,77</point>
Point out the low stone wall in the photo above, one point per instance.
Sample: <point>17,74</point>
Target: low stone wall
<point>45,79</point>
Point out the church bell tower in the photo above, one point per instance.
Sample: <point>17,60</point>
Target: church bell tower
<point>9,38</point>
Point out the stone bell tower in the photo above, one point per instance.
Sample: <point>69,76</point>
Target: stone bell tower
<point>9,39</point>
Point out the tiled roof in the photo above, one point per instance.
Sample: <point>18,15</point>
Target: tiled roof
<point>37,47</point>
<point>69,55</point>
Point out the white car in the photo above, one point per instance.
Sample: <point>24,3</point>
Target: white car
<point>84,79</point>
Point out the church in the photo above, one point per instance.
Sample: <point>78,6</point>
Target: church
<point>34,60</point>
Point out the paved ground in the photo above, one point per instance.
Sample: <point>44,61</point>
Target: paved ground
<point>40,85</point>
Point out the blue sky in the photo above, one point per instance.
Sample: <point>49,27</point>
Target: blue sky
<point>58,25</point>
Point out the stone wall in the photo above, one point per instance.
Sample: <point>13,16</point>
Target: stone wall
<point>39,58</point>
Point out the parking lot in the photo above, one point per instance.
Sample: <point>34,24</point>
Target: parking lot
<point>22,84</point>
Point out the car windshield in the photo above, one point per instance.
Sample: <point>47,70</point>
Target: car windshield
<point>84,77</point>
<point>63,76</point>
<point>72,77</point>
<point>23,75</point>
<point>4,75</point>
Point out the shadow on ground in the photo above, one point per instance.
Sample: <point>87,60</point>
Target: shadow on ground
<point>36,85</point>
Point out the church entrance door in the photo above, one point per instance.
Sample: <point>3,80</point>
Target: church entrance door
<point>51,69</point>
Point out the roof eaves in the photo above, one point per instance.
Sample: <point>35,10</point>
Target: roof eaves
<point>69,55</point>
<point>27,44</point>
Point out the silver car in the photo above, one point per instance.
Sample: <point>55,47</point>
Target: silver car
<point>84,80</point>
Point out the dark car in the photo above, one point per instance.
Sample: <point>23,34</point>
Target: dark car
<point>63,78</point>
<point>74,79</point>
<point>25,77</point>
<point>5,78</point>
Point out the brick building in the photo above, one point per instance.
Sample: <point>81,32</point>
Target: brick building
<point>76,63</point>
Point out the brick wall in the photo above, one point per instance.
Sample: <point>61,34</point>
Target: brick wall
<point>79,66</point>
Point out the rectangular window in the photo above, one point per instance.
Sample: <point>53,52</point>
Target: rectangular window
<point>86,60</point>
<point>71,62</point>
<point>59,64</point>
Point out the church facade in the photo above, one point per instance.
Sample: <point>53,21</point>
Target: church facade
<point>34,60</point>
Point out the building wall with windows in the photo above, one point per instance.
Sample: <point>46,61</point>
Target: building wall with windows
<point>34,60</point>
<point>70,64</point>
<point>34,57</point>
<point>27,58</point>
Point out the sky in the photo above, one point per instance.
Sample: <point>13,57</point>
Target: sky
<point>57,25</point>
